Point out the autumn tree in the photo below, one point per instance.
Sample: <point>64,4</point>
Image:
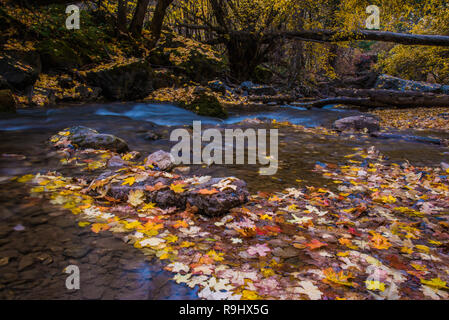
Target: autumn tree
<point>250,29</point>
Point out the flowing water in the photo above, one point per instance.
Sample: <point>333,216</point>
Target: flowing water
<point>38,240</point>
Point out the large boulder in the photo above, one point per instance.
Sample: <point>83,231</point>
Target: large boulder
<point>163,160</point>
<point>357,123</point>
<point>86,138</point>
<point>7,101</point>
<point>205,104</point>
<point>393,83</point>
<point>128,81</point>
<point>217,86</point>
<point>19,69</point>
<point>194,60</point>
<point>59,55</point>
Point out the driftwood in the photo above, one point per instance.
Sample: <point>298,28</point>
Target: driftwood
<point>373,98</point>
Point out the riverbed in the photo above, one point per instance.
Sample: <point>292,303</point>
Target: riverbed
<point>38,240</point>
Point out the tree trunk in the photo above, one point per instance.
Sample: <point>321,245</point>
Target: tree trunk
<point>158,20</point>
<point>139,17</point>
<point>121,16</point>
<point>382,98</point>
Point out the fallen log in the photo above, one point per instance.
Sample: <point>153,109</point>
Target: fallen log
<point>358,35</point>
<point>267,99</point>
<point>373,98</point>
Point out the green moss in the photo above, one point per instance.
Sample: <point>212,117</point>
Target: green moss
<point>262,75</point>
<point>58,54</point>
<point>207,105</point>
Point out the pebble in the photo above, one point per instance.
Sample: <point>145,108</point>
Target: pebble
<point>25,262</point>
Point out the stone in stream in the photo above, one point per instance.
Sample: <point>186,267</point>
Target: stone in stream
<point>444,166</point>
<point>357,123</point>
<point>257,89</point>
<point>84,138</point>
<point>163,160</point>
<point>218,197</point>
<point>76,252</point>
<point>25,262</point>
<point>411,138</point>
<point>393,83</point>
<point>116,162</point>
<point>217,86</point>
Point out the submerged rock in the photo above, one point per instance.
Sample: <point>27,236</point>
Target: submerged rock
<point>411,138</point>
<point>163,160</point>
<point>357,123</point>
<point>84,138</point>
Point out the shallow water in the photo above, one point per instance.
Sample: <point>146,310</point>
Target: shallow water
<point>51,240</point>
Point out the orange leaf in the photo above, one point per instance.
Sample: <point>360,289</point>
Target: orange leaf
<point>207,192</point>
<point>315,244</point>
<point>156,187</point>
<point>97,227</point>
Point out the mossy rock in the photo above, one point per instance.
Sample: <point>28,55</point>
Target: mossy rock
<point>262,75</point>
<point>56,54</point>
<point>207,105</point>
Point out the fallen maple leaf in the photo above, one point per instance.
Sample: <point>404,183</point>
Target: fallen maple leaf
<point>97,227</point>
<point>177,188</point>
<point>260,249</point>
<point>129,181</point>
<point>136,197</point>
<point>379,242</point>
<point>315,244</point>
<point>207,191</point>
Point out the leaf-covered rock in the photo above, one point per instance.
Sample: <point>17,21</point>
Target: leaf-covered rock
<point>83,137</point>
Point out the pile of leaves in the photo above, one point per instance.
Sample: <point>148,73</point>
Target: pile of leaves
<point>415,118</point>
<point>188,94</point>
<point>380,232</point>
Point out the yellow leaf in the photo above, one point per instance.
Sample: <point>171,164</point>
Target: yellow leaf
<point>407,250</point>
<point>435,283</point>
<point>187,244</point>
<point>375,285</point>
<point>129,181</point>
<point>25,178</point>
<point>148,206</point>
<point>171,238</point>
<point>177,188</point>
<point>419,267</point>
<point>83,224</point>
<point>423,248</point>
<point>248,294</point>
